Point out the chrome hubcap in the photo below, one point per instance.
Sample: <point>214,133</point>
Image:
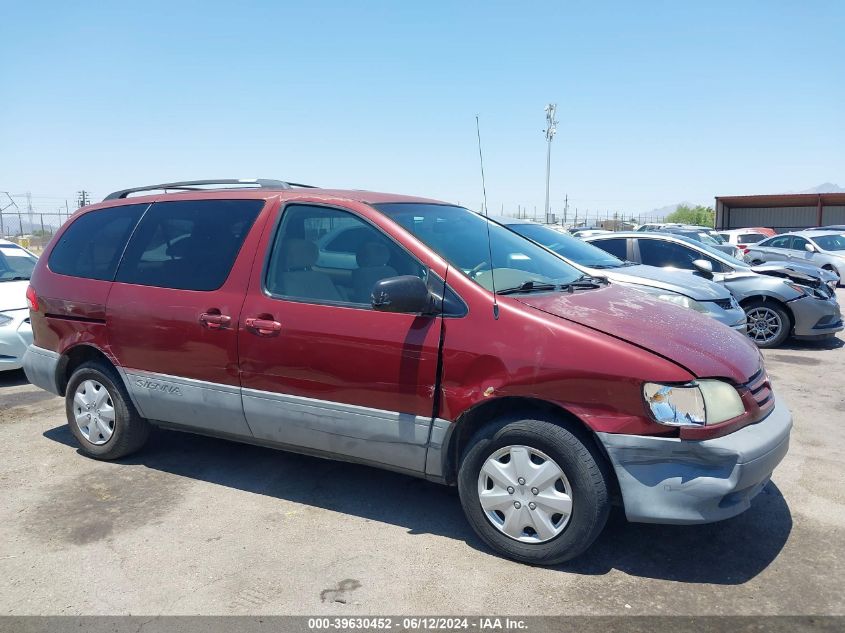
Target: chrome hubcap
<point>763,324</point>
<point>525,494</point>
<point>94,412</point>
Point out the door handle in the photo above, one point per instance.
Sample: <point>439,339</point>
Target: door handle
<point>215,321</point>
<point>263,327</point>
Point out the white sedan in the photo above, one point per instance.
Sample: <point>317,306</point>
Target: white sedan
<point>16,266</point>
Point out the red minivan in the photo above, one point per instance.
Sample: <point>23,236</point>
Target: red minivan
<point>404,333</point>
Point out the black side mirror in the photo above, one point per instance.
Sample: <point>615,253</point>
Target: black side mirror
<point>406,293</point>
<point>704,267</point>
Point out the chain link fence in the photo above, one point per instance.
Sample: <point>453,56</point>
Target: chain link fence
<point>31,230</point>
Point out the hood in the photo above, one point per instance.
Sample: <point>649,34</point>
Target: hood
<point>697,343</point>
<point>796,271</point>
<point>683,282</point>
<point>13,295</point>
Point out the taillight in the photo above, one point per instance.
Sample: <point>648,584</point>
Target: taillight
<point>743,248</point>
<point>32,299</point>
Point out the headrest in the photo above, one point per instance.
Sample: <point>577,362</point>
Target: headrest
<point>299,254</point>
<point>371,254</point>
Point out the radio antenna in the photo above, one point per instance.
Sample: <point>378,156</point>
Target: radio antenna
<point>481,161</point>
<point>487,224</point>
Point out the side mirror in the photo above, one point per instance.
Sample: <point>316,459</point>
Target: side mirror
<point>809,248</point>
<point>406,293</point>
<point>704,267</point>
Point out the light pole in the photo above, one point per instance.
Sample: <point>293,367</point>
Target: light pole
<point>551,128</point>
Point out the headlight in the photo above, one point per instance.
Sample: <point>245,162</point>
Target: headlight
<point>699,403</point>
<point>673,297</point>
<point>5,319</point>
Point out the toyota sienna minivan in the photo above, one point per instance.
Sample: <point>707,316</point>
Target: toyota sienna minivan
<point>407,334</point>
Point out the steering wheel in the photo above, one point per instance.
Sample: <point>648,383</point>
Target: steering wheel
<point>484,265</point>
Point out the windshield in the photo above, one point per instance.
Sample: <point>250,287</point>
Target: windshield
<point>15,263</point>
<point>570,247</point>
<point>460,237</point>
<point>830,242</point>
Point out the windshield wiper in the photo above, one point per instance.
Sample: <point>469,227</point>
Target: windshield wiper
<point>583,282</point>
<point>528,286</point>
<point>603,266</point>
<point>15,279</point>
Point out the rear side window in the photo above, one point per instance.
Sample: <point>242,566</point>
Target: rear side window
<point>662,254</point>
<point>188,244</point>
<point>617,246</point>
<point>91,247</point>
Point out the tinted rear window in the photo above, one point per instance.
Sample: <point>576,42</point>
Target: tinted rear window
<point>188,244</point>
<point>92,245</point>
<point>749,238</point>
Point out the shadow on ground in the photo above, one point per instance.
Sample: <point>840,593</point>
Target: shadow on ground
<point>823,345</point>
<point>14,378</point>
<point>730,552</point>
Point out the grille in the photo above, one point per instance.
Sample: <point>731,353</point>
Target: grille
<point>761,389</point>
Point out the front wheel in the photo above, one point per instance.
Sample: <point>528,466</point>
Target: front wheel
<point>534,491</point>
<point>768,323</point>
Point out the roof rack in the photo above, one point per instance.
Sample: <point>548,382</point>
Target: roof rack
<point>196,185</point>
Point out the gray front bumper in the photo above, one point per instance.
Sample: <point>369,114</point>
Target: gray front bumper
<point>669,480</point>
<point>815,317</point>
<point>40,365</point>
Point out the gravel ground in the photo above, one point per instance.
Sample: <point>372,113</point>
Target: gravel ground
<point>193,525</point>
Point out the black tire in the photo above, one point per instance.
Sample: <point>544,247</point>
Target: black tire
<point>130,430</point>
<point>774,306</point>
<point>586,471</point>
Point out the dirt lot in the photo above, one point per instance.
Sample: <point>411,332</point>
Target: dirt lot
<point>197,525</point>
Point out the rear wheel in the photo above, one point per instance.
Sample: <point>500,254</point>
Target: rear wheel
<point>533,490</point>
<point>769,324</point>
<point>100,414</point>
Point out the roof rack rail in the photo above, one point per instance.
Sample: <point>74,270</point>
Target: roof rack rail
<point>195,185</point>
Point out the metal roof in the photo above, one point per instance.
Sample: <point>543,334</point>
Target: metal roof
<point>783,200</point>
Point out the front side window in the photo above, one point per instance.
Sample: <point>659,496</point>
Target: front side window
<point>798,243</point>
<point>188,244</point>
<point>15,263</point>
<point>666,254</point>
<point>460,236</point>
<point>92,245</point>
<point>324,255</point>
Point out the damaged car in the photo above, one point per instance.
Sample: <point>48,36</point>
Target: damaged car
<point>780,299</point>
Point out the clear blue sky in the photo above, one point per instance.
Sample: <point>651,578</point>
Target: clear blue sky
<point>658,101</point>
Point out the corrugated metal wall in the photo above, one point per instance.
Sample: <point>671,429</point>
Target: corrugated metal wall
<point>833,215</point>
<point>778,218</point>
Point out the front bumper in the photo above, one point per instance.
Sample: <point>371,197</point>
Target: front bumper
<point>669,480</point>
<point>816,317</point>
<point>15,337</point>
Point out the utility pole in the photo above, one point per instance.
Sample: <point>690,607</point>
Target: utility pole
<point>551,128</point>
<point>565,209</point>
<point>83,198</point>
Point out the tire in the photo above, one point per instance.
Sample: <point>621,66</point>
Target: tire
<point>765,309</point>
<point>586,476</point>
<point>114,410</point>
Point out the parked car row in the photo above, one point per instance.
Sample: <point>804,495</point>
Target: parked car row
<point>418,336</point>
<point>16,265</point>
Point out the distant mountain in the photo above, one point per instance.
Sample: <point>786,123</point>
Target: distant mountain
<point>664,211</point>
<point>825,187</point>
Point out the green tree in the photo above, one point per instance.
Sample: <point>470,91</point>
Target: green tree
<point>701,215</point>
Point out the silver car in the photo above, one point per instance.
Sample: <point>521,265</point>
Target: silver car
<point>682,289</point>
<point>16,266</point>
<point>822,248</point>
<point>780,299</point>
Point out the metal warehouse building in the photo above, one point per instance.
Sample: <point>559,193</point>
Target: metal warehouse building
<point>783,212</point>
